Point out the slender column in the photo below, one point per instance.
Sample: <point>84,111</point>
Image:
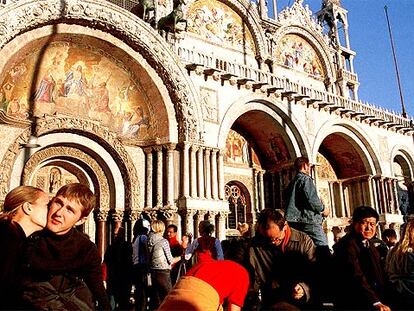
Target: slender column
<point>117,217</point>
<point>221,230</point>
<point>220,172</point>
<point>383,196</point>
<point>332,198</point>
<point>256,190</point>
<point>263,9</point>
<point>170,175</point>
<point>373,189</point>
<point>189,222</point>
<point>159,193</point>
<point>214,184</point>
<point>341,199</point>
<point>371,200</point>
<point>261,188</point>
<point>132,217</point>
<point>186,170</point>
<point>396,200</point>
<point>148,184</point>
<point>200,172</point>
<point>198,217</point>
<point>208,173</point>
<point>193,170</point>
<point>100,218</point>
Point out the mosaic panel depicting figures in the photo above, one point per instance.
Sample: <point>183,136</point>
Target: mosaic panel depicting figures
<point>216,22</point>
<point>324,169</point>
<point>295,52</point>
<point>238,150</point>
<point>77,79</point>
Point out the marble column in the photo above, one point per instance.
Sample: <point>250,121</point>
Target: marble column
<point>159,193</point>
<point>101,217</point>
<point>371,192</point>
<point>117,218</point>
<point>132,217</point>
<point>208,173</point>
<point>256,202</point>
<point>214,181</point>
<point>198,217</point>
<point>186,170</point>
<point>193,170</point>
<point>332,198</point>
<point>261,188</point>
<point>170,175</point>
<point>341,200</point>
<point>221,230</point>
<point>188,222</point>
<point>220,172</point>
<point>148,184</point>
<point>200,172</point>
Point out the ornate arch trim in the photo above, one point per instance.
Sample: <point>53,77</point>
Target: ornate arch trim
<point>406,154</point>
<point>87,128</point>
<point>26,15</point>
<point>357,135</point>
<point>315,40</point>
<point>92,168</point>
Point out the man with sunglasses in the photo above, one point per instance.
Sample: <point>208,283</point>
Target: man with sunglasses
<point>359,276</point>
<point>282,259</point>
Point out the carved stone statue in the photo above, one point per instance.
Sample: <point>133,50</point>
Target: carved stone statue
<point>169,23</point>
<point>143,10</point>
<point>55,180</point>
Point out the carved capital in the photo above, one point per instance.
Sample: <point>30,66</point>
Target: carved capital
<point>101,215</point>
<point>117,215</point>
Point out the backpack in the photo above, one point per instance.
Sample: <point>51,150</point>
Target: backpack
<point>59,293</point>
<point>206,249</point>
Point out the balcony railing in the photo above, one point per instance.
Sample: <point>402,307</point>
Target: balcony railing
<point>365,111</point>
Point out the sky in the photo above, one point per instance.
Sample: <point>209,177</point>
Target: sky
<point>369,38</point>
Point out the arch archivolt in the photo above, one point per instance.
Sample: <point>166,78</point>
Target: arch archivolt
<point>93,130</point>
<point>251,18</point>
<point>356,136</point>
<point>293,130</point>
<point>316,41</point>
<point>91,167</point>
<point>406,154</point>
<point>22,16</point>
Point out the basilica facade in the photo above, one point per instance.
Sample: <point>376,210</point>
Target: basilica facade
<point>194,110</point>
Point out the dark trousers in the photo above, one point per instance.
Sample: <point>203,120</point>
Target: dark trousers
<point>141,287</point>
<point>161,286</point>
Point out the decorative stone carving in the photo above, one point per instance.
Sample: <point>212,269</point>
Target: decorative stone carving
<point>88,128</point>
<point>117,215</point>
<point>111,18</point>
<point>101,215</point>
<point>92,168</point>
<point>209,104</point>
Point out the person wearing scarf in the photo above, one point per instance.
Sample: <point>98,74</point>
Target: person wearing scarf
<point>282,259</point>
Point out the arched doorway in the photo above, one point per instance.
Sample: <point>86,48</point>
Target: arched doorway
<point>404,184</point>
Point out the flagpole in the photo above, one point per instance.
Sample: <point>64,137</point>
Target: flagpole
<point>404,113</point>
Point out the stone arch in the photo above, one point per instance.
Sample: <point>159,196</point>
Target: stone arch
<point>252,19</point>
<point>280,113</point>
<point>406,155</point>
<point>90,165</point>
<point>123,25</point>
<point>89,130</point>
<point>316,41</point>
<point>358,139</point>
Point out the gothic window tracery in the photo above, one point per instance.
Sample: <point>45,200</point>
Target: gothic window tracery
<point>237,205</point>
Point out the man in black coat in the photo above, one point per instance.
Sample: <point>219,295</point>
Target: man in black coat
<point>359,276</point>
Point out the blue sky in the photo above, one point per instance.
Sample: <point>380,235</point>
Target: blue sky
<point>369,38</point>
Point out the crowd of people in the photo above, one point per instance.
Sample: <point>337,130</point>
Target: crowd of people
<point>284,263</point>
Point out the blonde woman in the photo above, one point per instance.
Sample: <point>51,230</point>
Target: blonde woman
<point>400,269</point>
<point>160,260</point>
<point>24,212</point>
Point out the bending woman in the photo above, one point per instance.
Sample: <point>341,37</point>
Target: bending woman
<point>24,212</point>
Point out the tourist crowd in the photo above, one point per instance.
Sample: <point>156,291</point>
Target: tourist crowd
<point>283,262</point>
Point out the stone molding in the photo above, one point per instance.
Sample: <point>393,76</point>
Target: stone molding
<point>92,167</point>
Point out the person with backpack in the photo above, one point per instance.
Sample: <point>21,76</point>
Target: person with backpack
<point>206,247</point>
<point>140,263</point>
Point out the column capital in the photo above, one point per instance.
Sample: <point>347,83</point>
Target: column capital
<point>117,215</point>
<point>170,147</point>
<point>133,215</point>
<point>152,214</point>
<point>157,148</point>
<point>147,150</point>
<point>101,215</point>
<point>168,213</point>
<point>194,148</point>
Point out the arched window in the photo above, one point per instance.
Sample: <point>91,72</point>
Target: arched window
<point>237,205</point>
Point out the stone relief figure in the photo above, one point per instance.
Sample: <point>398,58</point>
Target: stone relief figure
<point>55,180</point>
